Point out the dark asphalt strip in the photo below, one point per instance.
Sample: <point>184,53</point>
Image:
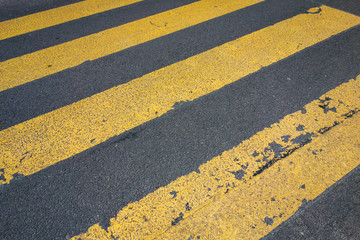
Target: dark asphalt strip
<point>351,6</point>
<point>44,38</point>
<point>10,9</point>
<point>334,215</point>
<point>44,95</point>
<point>67,198</point>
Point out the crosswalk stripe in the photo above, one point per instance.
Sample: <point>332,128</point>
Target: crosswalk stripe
<point>48,61</point>
<point>52,17</point>
<point>233,194</point>
<point>291,183</point>
<point>42,141</point>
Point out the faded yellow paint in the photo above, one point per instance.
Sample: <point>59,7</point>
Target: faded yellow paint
<point>217,205</point>
<point>54,59</point>
<point>40,20</point>
<point>245,212</point>
<point>42,141</point>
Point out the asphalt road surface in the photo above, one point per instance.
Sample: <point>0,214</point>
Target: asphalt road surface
<point>179,119</point>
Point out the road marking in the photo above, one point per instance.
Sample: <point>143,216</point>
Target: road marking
<point>291,183</point>
<point>249,190</point>
<point>45,140</point>
<point>54,59</point>
<point>52,17</point>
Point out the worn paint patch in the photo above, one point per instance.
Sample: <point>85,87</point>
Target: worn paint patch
<point>247,211</point>
<point>239,174</point>
<point>268,221</point>
<point>216,180</point>
<point>62,133</point>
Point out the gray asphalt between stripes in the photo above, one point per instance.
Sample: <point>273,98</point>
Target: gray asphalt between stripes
<point>351,6</point>
<point>68,197</point>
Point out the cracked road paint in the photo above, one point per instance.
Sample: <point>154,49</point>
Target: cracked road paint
<point>253,209</point>
<point>270,191</point>
<point>45,140</point>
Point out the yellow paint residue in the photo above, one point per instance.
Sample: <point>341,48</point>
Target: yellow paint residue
<point>42,141</point>
<point>54,59</point>
<point>40,20</point>
<point>253,209</point>
<point>225,189</point>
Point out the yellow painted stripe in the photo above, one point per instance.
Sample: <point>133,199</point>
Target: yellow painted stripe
<point>48,61</point>
<point>40,20</point>
<point>217,203</point>
<point>233,216</point>
<point>42,141</point>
